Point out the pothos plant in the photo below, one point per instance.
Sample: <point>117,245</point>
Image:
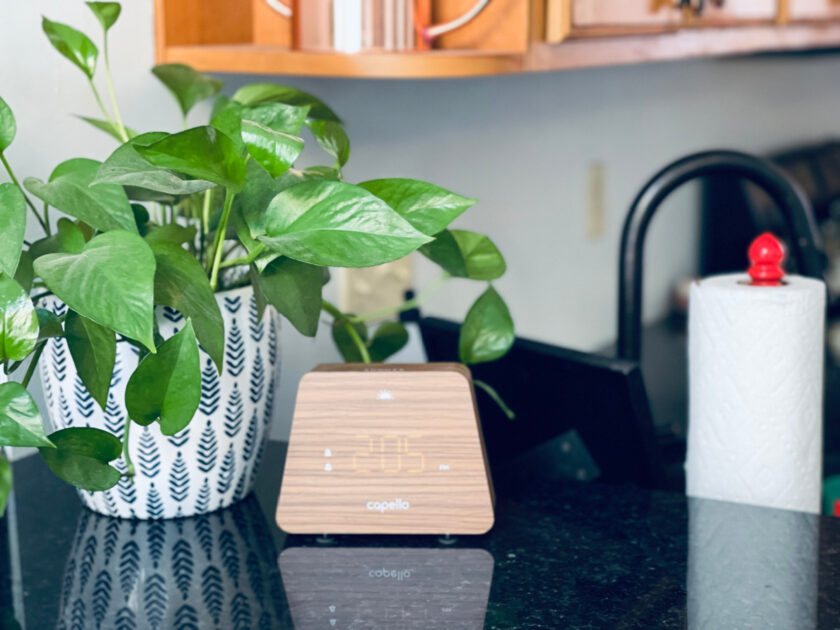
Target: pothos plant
<point>171,218</point>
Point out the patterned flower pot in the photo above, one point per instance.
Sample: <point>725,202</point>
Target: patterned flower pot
<point>212,571</point>
<point>210,464</point>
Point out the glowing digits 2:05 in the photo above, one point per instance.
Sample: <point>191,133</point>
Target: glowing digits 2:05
<point>387,454</point>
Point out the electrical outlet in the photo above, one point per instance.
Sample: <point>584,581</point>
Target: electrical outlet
<point>595,219</point>
<point>374,288</point>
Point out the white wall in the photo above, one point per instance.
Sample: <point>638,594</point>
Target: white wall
<point>520,143</point>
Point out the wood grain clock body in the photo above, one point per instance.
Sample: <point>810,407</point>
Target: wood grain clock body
<point>386,449</point>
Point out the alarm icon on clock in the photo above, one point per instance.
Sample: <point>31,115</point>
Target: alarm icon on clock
<point>395,449</point>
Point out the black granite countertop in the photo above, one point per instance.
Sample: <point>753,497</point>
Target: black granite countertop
<point>562,554</point>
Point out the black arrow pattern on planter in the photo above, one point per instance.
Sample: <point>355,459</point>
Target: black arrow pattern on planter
<point>256,465</point>
<point>226,472</point>
<point>272,341</point>
<point>154,505</point>
<point>234,350</point>
<point>250,438</point>
<point>180,438</point>
<point>69,574</point>
<point>257,379</point>
<point>172,314</point>
<point>202,502</point>
<point>46,384</point>
<point>269,404</point>
<point>156,536</point>
<point>186,618</point>
<point>241,489</point>
<point>113,416</point>
<point>129,567</point>
<point>182,566</point>
<point>241,612</point>
<point>179,479</point>
<point>110,502</point>
<point>207,449</point>
<point>77,615</point>
<point>109,541</point>
<point>204,534</point>
<point>64,409</point>
<point>230,556</point>
<point>210,391</point>
<point>254,323</point>
<point>116,377</point>
<point>147,454</point>
<point>126,490</point>
<point>233,412</point>
<point>275,590</point>
<point>101,596</point>
<point>125,619</point>
<point>211,592</point>
<point>154,600</point>
<point>233,304</point>
<point>84,401</point>
<point>59,358</point>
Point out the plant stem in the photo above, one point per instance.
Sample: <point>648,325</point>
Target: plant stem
<point>205,221</point>
<point>99,102</point>
<point>424,295</point>
<point>47,218</point>
<point>15,181</point>
<point>244,260</point>
<point>120,127</point>
<point>129,465</point>
<point>341,318</point>
<point>496,398</point>
<point>220,238</point>
<point>34,362</point>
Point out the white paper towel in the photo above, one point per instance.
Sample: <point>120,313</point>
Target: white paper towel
<point>751,567</point>
<point>755,391</point>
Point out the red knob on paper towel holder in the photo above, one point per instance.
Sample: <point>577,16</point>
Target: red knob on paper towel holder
<point>766,254</point>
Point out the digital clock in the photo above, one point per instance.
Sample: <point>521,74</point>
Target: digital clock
<point>386,449</point>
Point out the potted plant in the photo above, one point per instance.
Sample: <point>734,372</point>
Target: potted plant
<point>152,301</point>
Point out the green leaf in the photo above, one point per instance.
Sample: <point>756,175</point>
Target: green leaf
<point>110,282</point>
<point>171,233</point>
<point>12,227</point>
<point>332,138</point>
<point>389,338</point>
<point>344,342</point>
<point>294,289</point>
<point>73,44</point>
<point>261,93</point>
<point>106,12</point>
<point>180,282</point>
<point>18,321</point>
<point>336,224</point>
<point>427,207</point>
<point>466,254</point>
<point>108,127</point>
<point>81,457</point>
<point>487,332</point>
<point>127,167</point>
<point>202,152</point>
<point>5,490</point>
<point>94,350</point>
<point>48,324</point>
<point>70,237</point>
<point>259,190</point>
<point>20,422</point>
<point>72,190</point>
<point>8,126</point>
<point>275,151</point>
<point>228,115</point>
<point>167,386</point>
<point>25,274</point>
<point>186,85</point>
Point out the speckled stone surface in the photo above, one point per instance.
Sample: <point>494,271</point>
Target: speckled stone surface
<point>562,555</point>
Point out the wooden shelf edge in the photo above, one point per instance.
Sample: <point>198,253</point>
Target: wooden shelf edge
<point>541,57</point>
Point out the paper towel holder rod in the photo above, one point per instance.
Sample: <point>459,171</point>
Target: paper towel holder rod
<point>785,192</point>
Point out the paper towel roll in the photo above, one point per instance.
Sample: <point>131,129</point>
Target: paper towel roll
<point>751,567</point>
<point>755,391</point>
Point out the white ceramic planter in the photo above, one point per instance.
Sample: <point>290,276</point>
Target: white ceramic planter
<point>210,464</point>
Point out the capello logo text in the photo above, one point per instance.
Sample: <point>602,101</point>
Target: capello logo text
<point>387,506</point>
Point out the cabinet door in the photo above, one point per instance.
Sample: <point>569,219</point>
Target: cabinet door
<point>814,9</point>
<point>623,15</point>
<point>732,12</point>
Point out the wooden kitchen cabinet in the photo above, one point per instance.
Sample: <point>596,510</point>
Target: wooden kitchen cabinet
<point>811,10</point>
<point>628,16</point>
<point>730,12</point>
